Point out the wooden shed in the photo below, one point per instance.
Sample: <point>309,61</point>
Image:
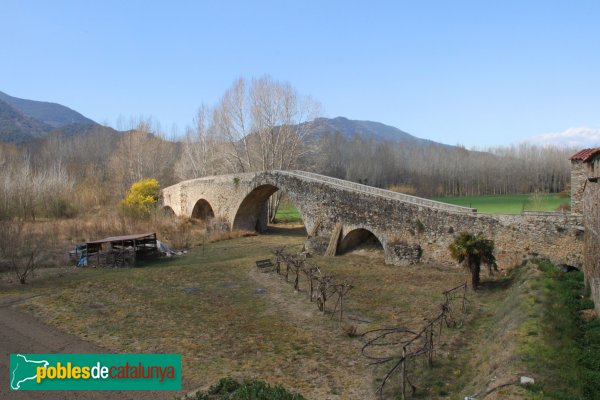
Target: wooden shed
<point>121,251</point>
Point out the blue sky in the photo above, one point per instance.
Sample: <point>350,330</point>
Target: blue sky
<point>477,73</point>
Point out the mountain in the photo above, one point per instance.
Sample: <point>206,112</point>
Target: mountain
<point>375,131</point>
<point>24,120</point>
<point>16,127</point>
<point>53,114</point>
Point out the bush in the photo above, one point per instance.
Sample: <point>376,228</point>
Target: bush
<point>61,208</point>
<point>231,389</point>
<point>140,201</point>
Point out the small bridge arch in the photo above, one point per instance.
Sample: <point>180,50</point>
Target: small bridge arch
<point>202,210</point>
<point>167,211</point>
<point>355,237</point>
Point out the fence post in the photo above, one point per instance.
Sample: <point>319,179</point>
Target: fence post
<point>403,375</point>
<point>465,298</point>
<point>430,344</point>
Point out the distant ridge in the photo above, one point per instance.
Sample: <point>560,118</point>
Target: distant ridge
<point>24,120</point>
<point>53,114</point>
<point>375,131</point>
<point>16,127</point>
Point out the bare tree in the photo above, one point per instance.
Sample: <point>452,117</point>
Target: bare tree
<point>142,153</point>
<point>266,126</point>
<point>231,118</point>
<point>22,248</point>
<point>201,155</point>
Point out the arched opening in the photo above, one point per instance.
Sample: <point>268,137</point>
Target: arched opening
<point>253,214</point>
<point>359,239</point>
<point>202,210</point>
<point>168,212</point>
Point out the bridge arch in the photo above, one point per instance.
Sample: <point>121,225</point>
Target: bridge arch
<point>357,237</point>
<point>203,210</point>
<point>252,212</point>
<point>167,211</point>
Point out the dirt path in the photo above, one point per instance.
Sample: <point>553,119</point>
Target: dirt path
<point>21,333</point>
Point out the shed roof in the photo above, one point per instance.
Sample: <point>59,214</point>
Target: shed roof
<point>585,154</point>
<point>125,238</point>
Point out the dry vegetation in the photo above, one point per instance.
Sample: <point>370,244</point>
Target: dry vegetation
<point>204,306</point>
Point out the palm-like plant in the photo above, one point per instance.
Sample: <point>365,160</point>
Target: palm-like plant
<point>472,251</point>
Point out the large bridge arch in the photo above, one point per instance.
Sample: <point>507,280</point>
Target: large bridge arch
<point>252,211</point>
<point>251,214</point>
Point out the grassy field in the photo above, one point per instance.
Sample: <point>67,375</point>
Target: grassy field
<point>205,306</point>
<point>288,213</point>
<point>509,204</point>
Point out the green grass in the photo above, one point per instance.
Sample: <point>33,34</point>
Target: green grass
<point>508,204</point>
<point>288,213</point>
<point>563,346</point>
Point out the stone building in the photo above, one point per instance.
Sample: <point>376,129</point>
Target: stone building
<point>585,200</point>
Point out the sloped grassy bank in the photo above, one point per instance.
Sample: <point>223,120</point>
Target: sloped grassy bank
<point>563,340</point>
<point>536,322</point>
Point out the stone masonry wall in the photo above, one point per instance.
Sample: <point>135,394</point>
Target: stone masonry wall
<point>578,178</point>
<point>591,253</point>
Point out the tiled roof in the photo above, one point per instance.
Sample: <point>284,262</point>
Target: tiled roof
<point>585,154</point>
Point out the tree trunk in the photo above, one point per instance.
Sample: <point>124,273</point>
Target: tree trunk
<point>475,269</point>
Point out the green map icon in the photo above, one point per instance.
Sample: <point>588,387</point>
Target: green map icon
<point>23,370</point>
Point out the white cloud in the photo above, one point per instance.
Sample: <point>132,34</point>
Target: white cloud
<point>572,137</point>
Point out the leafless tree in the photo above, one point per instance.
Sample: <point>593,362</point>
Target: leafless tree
<point>22,248</point>
<point>142,153</point>
<point>266,125</point>
<point>200,150</point>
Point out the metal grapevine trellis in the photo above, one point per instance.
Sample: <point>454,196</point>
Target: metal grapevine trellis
<point>406,345</point>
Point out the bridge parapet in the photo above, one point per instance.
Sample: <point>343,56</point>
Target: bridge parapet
<point>380,192</point>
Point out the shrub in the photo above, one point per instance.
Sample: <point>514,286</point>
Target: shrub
<point>231,389</point>
<point>141,199</point>
<point>61,208</point>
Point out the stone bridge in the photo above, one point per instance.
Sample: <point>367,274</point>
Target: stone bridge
<point>397,221</point>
